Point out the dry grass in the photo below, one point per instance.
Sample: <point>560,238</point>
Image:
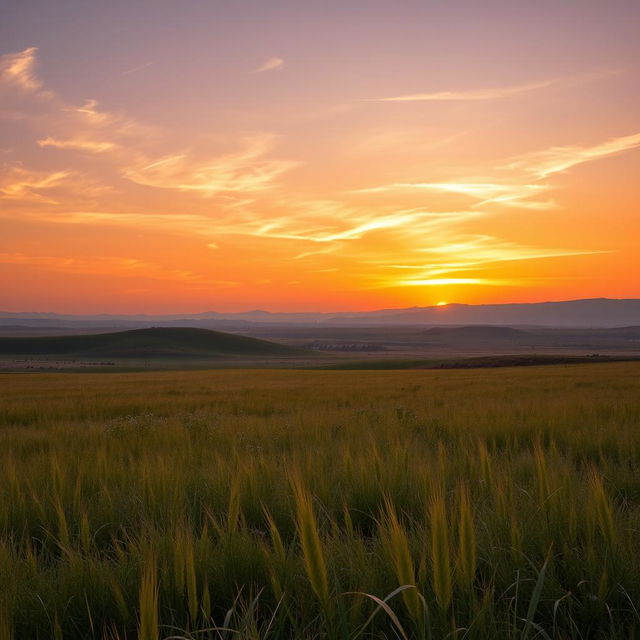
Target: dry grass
<point>286,504</point>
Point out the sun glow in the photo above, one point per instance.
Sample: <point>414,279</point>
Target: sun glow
<point>295,180</point>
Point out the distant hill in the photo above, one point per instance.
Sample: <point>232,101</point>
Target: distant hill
<point>486,336</point>
<point>591,313</point>
<point>146,343</point>
<point>477,334</point>
<point>587,313</point>
<point>624,332</point>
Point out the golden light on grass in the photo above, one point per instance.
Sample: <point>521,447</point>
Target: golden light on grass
<point>310,543</point>
<point>148,601</point>
<point>139,525</point>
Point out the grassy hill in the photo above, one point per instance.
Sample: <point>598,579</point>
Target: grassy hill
<point>146,343</point>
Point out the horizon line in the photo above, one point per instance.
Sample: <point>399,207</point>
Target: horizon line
<point>415,307</point>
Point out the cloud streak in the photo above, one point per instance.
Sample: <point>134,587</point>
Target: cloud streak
<point>494,93</point>
<point>469,95</point>
<point>22,185</point>
<point>524,188</point>
<point>110,266</point>
<point>124,143</point>
<point>245,171</point>
<point>270,64</point>
<point>459,260</point>
<point>558,159</point>
<point>78,144</point>
<point>137,68</point>
<point>18,70</point>
<point>507,194</point>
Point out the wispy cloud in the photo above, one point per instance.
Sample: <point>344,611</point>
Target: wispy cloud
<point>508,194</point>
<point>311,226</point>
<point>350,224</point>
<point>288,229</point>
<point>270,64</point>
<point>79,144</point>
<point>495,93</point>
<point>113,266</point>
<point>23,185</point>
<point>18,69</point>
<point>89,118</point>
<point>558,159</point>
<point>247,170</point>
<point>125,143</point>
<point>523,188</point>
<point>484,249</point>
<point>440,282</point>
<point>20,185</point>
<point>460,260</point>
<point>56,122</point>
<point>137,68</point>
<point>473,94</point>
<point>182,223</point>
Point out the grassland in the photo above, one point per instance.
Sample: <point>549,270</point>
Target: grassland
<point>494,503</point>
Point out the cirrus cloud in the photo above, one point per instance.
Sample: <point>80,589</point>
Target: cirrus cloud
<point>270,64</point>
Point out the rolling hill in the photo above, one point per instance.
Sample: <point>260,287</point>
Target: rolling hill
<point>146,343</point>
<point>477,334</point>
<point>487,336</point>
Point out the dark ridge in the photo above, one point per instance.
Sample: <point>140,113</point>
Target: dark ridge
<point>624,332</point>
<point>146,343</point>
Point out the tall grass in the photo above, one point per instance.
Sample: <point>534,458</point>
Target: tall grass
<point>440,560</point>
<point>467,557</point>
<point>284,504</point>
<point>148,601</point>
<point>310,544</point>
<point>395,539</point>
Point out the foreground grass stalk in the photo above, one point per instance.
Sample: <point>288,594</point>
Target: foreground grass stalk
<point>312,552</point>
<point>440,552</point>
<point>396,545</point>
<point>148,627</point>
<point>466,561</point>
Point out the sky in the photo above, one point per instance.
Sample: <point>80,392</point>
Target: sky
<point>161,156</point>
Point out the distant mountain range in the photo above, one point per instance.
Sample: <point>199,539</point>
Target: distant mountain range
<point>587,313</point>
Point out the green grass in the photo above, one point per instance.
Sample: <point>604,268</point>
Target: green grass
<point>149,343</point>
<point>494,503</point>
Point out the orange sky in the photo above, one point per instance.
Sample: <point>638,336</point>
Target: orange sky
<point>167,157</point>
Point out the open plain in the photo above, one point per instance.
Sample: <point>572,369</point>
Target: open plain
<point>501,503</point>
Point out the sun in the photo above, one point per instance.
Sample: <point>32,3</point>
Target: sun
<point>442,304</point>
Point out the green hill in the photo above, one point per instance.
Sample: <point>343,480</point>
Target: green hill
<point>146,343</point>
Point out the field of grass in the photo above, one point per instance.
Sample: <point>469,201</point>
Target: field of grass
<point>480,504</point>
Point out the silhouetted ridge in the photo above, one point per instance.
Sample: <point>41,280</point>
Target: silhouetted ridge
<point>154,342</point>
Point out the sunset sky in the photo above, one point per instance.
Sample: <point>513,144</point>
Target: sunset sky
<point>167,156</point>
